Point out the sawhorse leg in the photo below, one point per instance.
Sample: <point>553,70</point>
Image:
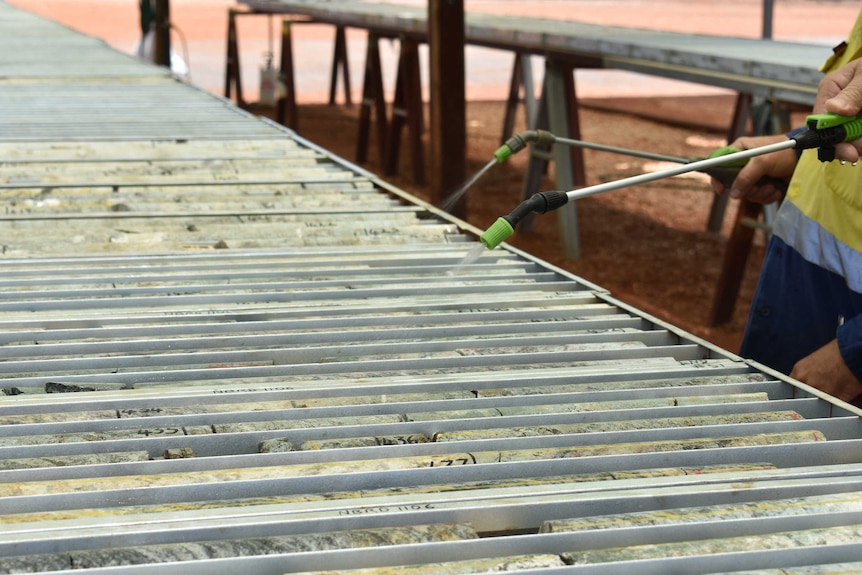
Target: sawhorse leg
<point>558,113</point>
<point>738,127</point>
<point>232,75</point>
<point>733,267</point>
<point>373,99</point>
<point>339,58</point>
<point>766,119</point>
<point>286,111</point>
<point>407,108</point>
<point>522,76</point>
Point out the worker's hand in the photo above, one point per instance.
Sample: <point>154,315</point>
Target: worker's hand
<point>840,92</point>
<point>778,165</point>
<point>825,369</point>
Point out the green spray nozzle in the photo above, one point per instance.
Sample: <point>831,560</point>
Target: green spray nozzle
<point>540,203</point>
<point>826,130</point>
<point>830,120</point>
<point>519,141</point>
<point>497,233</point>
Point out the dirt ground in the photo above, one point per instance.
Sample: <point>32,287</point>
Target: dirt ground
<point>648,244</point>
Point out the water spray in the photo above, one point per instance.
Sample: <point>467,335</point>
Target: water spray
<point>823,132</point>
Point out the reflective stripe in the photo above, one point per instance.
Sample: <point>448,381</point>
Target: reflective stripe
<point>816,245</point>
<point>829,193</point>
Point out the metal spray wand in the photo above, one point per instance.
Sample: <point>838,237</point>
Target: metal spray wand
<point>824,131</point>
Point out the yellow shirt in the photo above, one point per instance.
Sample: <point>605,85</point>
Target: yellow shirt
<point>851,50</point>
<point>829,194</point>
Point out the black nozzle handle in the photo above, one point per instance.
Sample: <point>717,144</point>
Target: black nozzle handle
<point>519,141</point>
<point>540,203</point>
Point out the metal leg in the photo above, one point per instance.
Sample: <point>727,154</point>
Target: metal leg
<point>569,161</point>
<point>407,109</point>
<point>372,100</point>
<point>512,100</point>
<point>339,59</point>
<point>286,111</point>
<point>557,111</point>
<point>415,115</point>
<point>162,38</point>
<point>399,118</point>
<point>738,127</point>
<point>538,160</point>
<point>522,75</point>
<point>766,118</point>
<point>733,267</point>
<point>232,75</point>
<point>530,104</point>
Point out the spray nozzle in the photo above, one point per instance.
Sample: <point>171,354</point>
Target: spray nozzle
<point>826,130</point>
<point>519,141</point>
<point>540,203</point>
<point>499,231</point>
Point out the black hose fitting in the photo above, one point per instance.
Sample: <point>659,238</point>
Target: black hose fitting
<point>541,203</point>
<point>519,141</point>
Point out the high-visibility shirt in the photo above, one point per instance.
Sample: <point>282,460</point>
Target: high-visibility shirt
<point>810,287</point>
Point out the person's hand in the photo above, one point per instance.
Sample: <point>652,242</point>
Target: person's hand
<point>840,92</point>
<point>778,165</point>
<point>825,369</point>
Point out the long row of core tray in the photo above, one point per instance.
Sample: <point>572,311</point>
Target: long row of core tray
<point>225,349</point>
